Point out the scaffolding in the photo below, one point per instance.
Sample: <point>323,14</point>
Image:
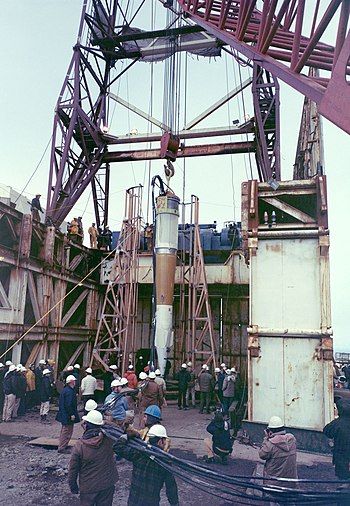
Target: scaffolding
<point>200,333</point>
<point>115,337</point>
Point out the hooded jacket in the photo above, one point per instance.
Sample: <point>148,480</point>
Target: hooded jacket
<point>93,461</point>
<point>339,430</point>
<point>280,454</point>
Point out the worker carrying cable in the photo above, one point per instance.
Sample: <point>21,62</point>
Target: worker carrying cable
<point>279,450</point>
<point>148,477</point>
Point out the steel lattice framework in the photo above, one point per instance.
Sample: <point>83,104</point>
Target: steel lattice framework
<point>274,38</point>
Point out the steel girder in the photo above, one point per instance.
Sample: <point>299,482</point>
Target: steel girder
<point>274,38</point>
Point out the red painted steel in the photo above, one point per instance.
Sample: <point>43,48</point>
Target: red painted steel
<point>275,38</point>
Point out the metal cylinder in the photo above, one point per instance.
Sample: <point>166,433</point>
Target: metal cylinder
<point>166,239</point>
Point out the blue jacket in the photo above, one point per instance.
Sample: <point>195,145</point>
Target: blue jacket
<point>221,436</point>
<point>67,407</point>
<point>119,407</point>
<point>10,383</point>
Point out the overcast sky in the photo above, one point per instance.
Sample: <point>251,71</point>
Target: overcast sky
<point>37,40</point>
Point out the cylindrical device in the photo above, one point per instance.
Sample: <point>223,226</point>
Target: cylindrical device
<point>167,217</point>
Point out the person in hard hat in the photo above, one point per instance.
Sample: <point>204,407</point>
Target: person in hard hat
<point>191,387</point>
<point>161,382</point>
<point>130,393</point>
<point>148,477</point>
<point>90,405</point>
<point>93,234</point>
<point>21,388</point>
<point>88,386</point>
<point>228,390</point>
<point>10,393</point>
<point>139,365</point>
<point>150,394</point>
<point>30,379</point>
<point>339,431</point>
<point>279,450</point>
<point>220,381</point>
<point>152,416</point>
<point>206,384</point>
<point>220,444</point>
<point>67,413</point>
<point>131,377</point>
<point>45,395</point>
<point>183,377</point>
<point>36,207</point>
<point>39,377</point>
<point>92,464</point>
<point>76,372</point>
<point>116,413</point>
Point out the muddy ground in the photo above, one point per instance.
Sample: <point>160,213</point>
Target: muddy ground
<point>38,475</point>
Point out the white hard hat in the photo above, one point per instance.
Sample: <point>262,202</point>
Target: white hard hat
<point>157,372</point>
<point>94,417</point>
<point>184,366</point>
<point>8,362</point>
<point>70,368</point>
<point>233,369</point>
<point>23,369</point>
<point>157,430</point>
<point>12,368</point>
<point>1,364</point>
<point>228,371</point>
<point>142,375</point>
<point>46,371</point>
<point>204,366</point>
<point>275,422</point>
<point>42,361</point>
<point>152,375</point>
<point>76,366</point>
<point>70,378</point>
<point>217,369</point>
<point>123,381</point>
<point>115,383</point>
<point>19,367</point>
<point>223,365</point>
<point>90,405</point>
<point>113,367</point>
<point>189,364</point>
<point>130,366</point>
<point>88,370</point>
<point>140,357</point>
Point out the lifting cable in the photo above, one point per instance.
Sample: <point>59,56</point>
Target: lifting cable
<point>57,304</point>
<point>235,486</point>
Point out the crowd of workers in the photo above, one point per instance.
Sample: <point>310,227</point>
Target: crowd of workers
<point>144,391</point>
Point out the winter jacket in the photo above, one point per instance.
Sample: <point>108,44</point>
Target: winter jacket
<point>148,478</point>
<point>183,377</point>
<point>221,376</point>
<point>132,379</point>
<point>45,389</point>
<point>228,387</point>
<point>30,378</point>
<point>20,385</point>
<point>38,377</point>
<point>221,437</point>
<point>93,462</point>
<point>67,407</point>
<point>88,385</point>
<point>280,453</point>
<point>151,394</point>
<point>161,382</point>
<point>205,381</point>
<point>10,383</point>
<point>119,408</point>
<point>192,381</point>
<point>339,430</point>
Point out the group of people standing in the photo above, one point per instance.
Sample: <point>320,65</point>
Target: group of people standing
<point>213,388</point>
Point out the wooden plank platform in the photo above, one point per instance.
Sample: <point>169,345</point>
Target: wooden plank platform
<point>49,441</point>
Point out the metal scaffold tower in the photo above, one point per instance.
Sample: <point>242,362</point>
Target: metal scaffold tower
<point>116,329</point>
<point>200,344</point>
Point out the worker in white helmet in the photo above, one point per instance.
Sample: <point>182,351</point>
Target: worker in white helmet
<point>45,395</point>
<point>150,394</point>
<point>67,413</point>
<point>92,464</point>
<point>206,385</point>
<point>90,405</point>
<point>148,477</point>
<point>279,450</point>
<point>88,386</point>
<point>116,404</point>
<point>131,376</point>
<point>160,381</point>
<point>191,389</point>
<point>183,377</point>
<point>10,393</point>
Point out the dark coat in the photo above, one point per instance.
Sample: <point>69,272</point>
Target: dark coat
<point>148,478</point>
<point>152,393</point>
<point>183,377</point>
<point>221,377</point>
<point>45,389</point>
<point>38,371</point>
<point>10,383</point>
<point>21,385</point>
<point>67,407</point>
<point>206,382</point>
<point>221,436</point>
<point>339,430</point>
<point>93,461</point>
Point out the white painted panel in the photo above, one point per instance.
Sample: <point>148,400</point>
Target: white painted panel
<point>286,286</point>
<point>267,380</point>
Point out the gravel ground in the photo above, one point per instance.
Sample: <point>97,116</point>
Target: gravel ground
<point>38,476</point>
